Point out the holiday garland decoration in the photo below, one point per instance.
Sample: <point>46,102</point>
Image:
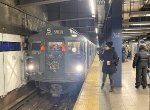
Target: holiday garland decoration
<point>54,65</point>
<point>54,56</point>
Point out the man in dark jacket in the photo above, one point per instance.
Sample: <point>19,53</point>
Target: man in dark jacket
<point>142,63</point>
<point>109,58</point>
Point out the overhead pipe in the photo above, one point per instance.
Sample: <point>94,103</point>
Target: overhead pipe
<point>107,16</point>
<point>101,12</point>
<point>136,28</point>
<point>140,14</point>
<point>132,32</point>
<point>141,23</point>
<point>38,2</point>
<point>129,7</point>
<point>127,36</point>
<point>73,19</point>
<point>92,7</point>
<point>136,31</point>
<point>135,34</point>
<point>146,2</point>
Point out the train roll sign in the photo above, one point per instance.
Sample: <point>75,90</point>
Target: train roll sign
<point>49,31</point>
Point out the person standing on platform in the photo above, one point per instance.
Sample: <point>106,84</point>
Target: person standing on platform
<point>126,53</point>
<point>142,63</point>
<point>123,53</point>
<point>109,58</point>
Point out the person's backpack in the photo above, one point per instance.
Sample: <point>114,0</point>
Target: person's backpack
<point>116,60</point>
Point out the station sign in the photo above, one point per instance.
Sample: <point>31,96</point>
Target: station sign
<point>10,46</point>
<point>116,34</point>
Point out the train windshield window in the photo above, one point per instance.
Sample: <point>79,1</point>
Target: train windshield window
<point>74,47</point>
<point>60,46</point>
<point>36,46</point>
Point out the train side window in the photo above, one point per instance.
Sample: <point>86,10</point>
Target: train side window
<point>74,47</point>
<point>84,48</point>
<point>36,46</point>
<point>90,49</point>
<point>57,46</point>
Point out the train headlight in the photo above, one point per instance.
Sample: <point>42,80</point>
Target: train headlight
<point>74,49</point>
<point>31,67</point>
<point>79,68</point>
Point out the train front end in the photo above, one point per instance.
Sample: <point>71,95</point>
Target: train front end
<point>57,61</point>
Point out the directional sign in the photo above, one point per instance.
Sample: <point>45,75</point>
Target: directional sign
<point>116,35</point>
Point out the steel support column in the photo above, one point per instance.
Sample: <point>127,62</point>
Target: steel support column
<point>116,36</point>
<point>107,22</point>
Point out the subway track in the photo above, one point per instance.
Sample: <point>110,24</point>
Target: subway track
<point>46,102</point>
<point>35,100</point>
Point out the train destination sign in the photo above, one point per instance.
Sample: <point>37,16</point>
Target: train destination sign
<point>50,31</point>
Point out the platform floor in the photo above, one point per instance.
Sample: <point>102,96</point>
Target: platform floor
<point>126,98</point>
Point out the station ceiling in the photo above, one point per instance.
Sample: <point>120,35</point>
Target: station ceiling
<point>136,19</point>
<point>77,14</point>
<point>71,13</point>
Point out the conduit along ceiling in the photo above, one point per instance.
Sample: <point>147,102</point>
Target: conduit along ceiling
<point>85,16</point>
<point>136,19</point>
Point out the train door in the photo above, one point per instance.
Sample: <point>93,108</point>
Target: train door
<point>90,57</point>
<point>73,57</point>
<point>35,50</point>
<point>88,54</point>
<point>55,57</point>
<point>85,56</point>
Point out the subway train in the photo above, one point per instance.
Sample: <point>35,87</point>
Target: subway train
<point>58,59</point>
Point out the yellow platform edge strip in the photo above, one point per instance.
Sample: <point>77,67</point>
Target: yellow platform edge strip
<point>89,97</point>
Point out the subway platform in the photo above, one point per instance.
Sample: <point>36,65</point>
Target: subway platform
<point>127,97</point>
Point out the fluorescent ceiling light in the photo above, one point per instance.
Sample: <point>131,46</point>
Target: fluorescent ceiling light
<point>92,7</point>
<point>96,30</point>
<point>136,28</point>
<point>147,14</point>
<point>136,32</point>
<point>110,1</point>
<point>131,32</point>
<point>127,36</point>
<point>142,23</point>
<point>133,35</point>
<point>74,35</point>
<point>140,14</point>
